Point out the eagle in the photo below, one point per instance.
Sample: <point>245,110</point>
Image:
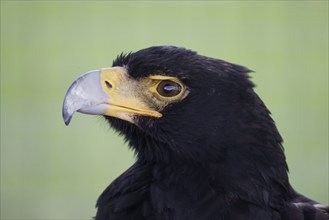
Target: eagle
<point>206,146</point>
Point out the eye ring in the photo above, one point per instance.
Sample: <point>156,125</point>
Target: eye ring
<point>168,88</point>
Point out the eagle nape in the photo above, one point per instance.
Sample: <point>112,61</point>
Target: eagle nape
<point>206,145</point>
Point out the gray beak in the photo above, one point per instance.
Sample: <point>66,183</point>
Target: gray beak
<point>85,95</point>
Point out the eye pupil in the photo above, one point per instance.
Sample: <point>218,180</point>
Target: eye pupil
<point>169,88</point>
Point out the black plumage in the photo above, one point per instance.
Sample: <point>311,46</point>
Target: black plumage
<point>216,154</point>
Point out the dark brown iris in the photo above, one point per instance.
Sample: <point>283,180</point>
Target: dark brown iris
<point>168,88</point>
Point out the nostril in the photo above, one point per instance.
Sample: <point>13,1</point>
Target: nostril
<point>108,85</point>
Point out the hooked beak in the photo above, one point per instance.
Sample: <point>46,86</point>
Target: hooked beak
<point>105,92</point>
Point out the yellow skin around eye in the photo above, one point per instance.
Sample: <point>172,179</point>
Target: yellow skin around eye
<point>160,78</point>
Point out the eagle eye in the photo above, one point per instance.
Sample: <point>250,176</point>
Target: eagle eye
<point>168,88</point>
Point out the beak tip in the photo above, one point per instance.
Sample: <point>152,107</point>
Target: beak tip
<point>66,117</point>
<point>67,122</point>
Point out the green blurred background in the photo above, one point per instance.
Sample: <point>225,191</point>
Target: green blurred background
<point>50,171</point>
